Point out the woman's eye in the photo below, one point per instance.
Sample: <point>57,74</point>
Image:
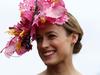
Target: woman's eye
<point>52,36</point>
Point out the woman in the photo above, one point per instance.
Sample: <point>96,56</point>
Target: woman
<point>56,44</point>
<point>57,32</point>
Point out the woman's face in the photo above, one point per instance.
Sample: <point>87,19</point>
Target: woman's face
<point>53,43</point>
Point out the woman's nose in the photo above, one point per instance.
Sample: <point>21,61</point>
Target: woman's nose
<point>45,43</point>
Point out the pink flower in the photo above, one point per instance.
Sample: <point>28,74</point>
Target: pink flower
<point>50,9</point>
<point>27,9</point>
<point>34,13</point>
<point>10,47</point>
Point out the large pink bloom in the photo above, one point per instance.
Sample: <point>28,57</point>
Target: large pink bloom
<point>34,14</point>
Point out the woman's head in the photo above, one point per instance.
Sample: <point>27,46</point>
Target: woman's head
<point>55,42</point>
<point>25,30</point>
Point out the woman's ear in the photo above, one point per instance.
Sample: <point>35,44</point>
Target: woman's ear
<point>74,38</point>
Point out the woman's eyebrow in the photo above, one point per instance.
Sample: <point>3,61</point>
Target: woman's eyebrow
<point>50,32</point>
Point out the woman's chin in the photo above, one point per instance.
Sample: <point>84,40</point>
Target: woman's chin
<point>51,62</point>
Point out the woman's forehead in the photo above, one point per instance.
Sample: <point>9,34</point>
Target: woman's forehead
<point>50,28</point>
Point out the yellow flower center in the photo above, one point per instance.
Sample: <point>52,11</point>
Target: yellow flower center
<point>22,33</point>
<point>55,1</point>
<point>42,19</point>
<point>13,32</point>
<point>18,45</point>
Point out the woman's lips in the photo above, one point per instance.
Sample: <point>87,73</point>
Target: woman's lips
<point>49,53</point>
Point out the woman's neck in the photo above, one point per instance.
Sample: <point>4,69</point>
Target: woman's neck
<point>64,68</point>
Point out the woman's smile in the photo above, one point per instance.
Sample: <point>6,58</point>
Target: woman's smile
<point>49,53</point>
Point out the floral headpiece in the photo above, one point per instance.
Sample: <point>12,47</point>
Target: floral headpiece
<point>33,14</point>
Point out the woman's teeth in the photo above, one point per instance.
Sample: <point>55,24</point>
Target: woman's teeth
<point>48,53</point>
